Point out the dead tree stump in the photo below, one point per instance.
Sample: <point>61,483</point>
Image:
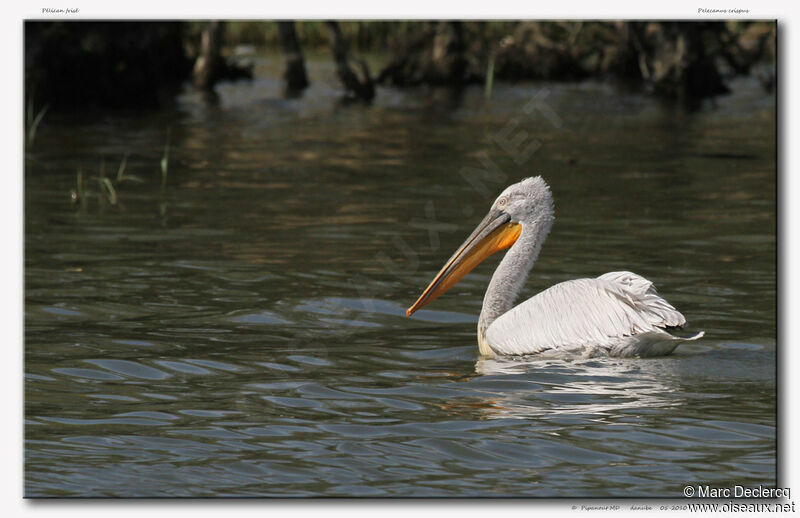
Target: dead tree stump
<point>295,73</point>
<point>358,83</point>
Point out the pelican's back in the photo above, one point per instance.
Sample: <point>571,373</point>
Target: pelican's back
<point>619,312</point>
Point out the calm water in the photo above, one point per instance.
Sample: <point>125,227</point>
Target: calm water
<point>242,332</point>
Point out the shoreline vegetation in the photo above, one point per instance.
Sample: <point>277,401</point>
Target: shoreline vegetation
<point>144,64</point>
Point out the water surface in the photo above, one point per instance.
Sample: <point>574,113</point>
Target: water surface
<point>241,332</point>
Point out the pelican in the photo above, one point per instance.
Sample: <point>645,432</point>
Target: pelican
<point>616,314</point>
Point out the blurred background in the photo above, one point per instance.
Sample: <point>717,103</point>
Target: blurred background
<point>137,63</point>
<point>225,221</point>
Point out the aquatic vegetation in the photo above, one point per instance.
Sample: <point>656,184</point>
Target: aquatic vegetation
<point>78,194</point>
<point>165,163</point>
<point>33,121</point>
<point>487,90</point>
<point>108,188</point>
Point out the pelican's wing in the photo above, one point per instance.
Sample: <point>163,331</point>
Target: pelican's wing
<point>643,295</point>
<point>588,312</point>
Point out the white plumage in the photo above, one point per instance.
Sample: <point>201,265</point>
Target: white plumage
<point>618,313</point>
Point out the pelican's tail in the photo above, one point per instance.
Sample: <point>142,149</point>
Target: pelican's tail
<point>647,345</point>
<point>658,312</point>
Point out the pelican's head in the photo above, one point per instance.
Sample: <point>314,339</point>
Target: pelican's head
<point>523,203</point>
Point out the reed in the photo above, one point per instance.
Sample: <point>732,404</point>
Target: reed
<point>487,89</point>
<point>34,120</point>
<point>165,163</point>
<point>121,169</point>
<point>122,174</point>
<point>108,187</point>
<point>79,194</point>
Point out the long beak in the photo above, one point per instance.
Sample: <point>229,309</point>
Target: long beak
<point>496,232</point>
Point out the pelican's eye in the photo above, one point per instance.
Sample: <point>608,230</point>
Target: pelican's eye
<point>502,202</point>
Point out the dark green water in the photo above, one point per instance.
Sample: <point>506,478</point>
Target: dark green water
<point>242,333</point>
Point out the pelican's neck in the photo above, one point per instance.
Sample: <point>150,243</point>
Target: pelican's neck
<point>510,275</point>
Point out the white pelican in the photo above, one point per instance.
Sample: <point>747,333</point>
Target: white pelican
<point>618,313</point>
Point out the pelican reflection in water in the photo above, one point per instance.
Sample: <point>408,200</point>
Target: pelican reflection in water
<point>589,387</point>
<point>618,313</point>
